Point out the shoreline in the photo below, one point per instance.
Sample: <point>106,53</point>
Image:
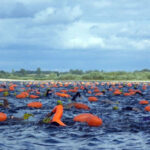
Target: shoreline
<point>16,80</point>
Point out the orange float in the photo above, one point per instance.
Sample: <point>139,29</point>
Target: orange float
<point>96,90</point>
<point>81,106</point>
<point>89,92</point>
<point>147,108</point>
<point>2,90</point>
<point>63,91</point>
<point>129,84</point>
<point>92,99</point>
<point>117,92</point>
<point>120,86</point>
<point>98,94</point>
<point>3,117</point>
<point>131,90</point>
<point>37,92</point>
<point>34,96</point>
<point>20,96</point>
<point>90,119</point>
<point>82,87</point>
<point>126,94</point>
<point>144,87</point>
<point>144,102</point>
<point>35,105</point>
<point>12,87</point>
<point>62,95</point>
<point>73,90</point>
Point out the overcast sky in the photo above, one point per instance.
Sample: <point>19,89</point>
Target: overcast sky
<point>60,35</point>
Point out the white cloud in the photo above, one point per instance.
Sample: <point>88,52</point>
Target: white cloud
<point>44,15</point>
<point>55,15</point>
<point>86,42</point>
<point>74,25</point>
<point>142,44</point>
<point>77,35</point>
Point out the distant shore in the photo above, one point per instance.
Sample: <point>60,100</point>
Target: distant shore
<point>15,80</point>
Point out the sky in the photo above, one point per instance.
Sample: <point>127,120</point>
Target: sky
<point>109,35</point>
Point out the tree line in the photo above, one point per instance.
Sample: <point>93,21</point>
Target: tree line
<point>76,74</point>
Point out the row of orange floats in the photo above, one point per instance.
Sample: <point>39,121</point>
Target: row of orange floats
<point>26,94</point>
<point>3,116</point>
<point>75,89</point>
<point>22,95</point>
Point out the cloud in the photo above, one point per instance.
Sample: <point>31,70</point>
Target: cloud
<point>113,36</point>
<point>142,44</point>
<point>44,14</point>
<point>58,15</point>
<point>47,24</point>
<point>22,8</point>
<point>84,42</point>
<point>14,10</point>
<point>77,35</point>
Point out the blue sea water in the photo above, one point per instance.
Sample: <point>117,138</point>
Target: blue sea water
<point>121,129</point>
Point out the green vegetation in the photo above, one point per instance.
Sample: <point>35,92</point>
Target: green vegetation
<point>38,74</point>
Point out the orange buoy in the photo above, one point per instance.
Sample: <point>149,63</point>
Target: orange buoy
<point>34,96</point>
<point>63,91</point>
<point>2,90</point>
<point>96,90</point>
<point>3,116</point>
<point>92,99</point>
<point>120,86</point>
<point>117,92</point>
<point>81,117</point>
<point>144,102</point>
<point>20,96</point>
<point>89,92</point>
<point>37,92</point>
<point>81,106</point>
<point>94,121</point>
<point>73,90</point>
<point>98,94</point>
<point>126,94</point>
<point>147,108</point>
<point>35,105</point>
<point>62,95</point>
<point>144,87</point>
<point>25,93</point>
<point>90,119</point>
<point>129,85</point>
